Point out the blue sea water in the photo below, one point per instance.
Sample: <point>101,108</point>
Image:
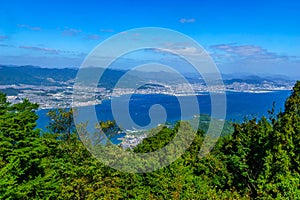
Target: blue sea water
<point>239,106</point>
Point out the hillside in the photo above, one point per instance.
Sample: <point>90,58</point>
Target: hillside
<point>34,75</point>
<point>259,160</point>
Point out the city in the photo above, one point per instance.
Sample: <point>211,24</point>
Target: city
<point>61,95</point>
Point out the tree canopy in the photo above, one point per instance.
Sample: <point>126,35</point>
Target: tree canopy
<point>259,160</point>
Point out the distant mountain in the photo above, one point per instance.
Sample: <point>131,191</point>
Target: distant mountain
<point>259,76</point>
<point>255,80</point>
<point>109,77</point>
<point>32,75</point>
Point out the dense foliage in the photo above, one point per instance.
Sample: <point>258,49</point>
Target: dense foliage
<point>259,160</point>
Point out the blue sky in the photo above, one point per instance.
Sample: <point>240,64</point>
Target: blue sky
<point>242,36</point>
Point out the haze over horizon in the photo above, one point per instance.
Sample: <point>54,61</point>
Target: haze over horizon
<point>257,37</point>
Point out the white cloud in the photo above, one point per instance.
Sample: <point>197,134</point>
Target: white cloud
<point>6,45</point>
<point>253,59</point>
<point>92,37</point>
<point>191,20</point>
<point>252,52</point>
<point>3,37</point>
<point>183,48</point>
<point>42,61</point>
<point>71,32</point>
<point>32,28</point>
<point>41,49</point>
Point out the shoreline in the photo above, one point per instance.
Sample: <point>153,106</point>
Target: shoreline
<point>165,94</point>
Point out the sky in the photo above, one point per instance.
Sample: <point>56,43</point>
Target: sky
<point>256,37</point>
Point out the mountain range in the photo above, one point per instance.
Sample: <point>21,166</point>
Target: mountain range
<point>32,75</point>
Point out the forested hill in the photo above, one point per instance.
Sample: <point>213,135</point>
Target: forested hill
<point>32,75</point>
<point>260,160</point>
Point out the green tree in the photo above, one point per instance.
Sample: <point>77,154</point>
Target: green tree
<point>62,122</point>
<point>20,150</point>
<point>110,128</point>
<point>263,155</point>
<point>281,175</point>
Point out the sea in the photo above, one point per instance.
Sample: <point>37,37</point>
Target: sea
<point>240,106</point>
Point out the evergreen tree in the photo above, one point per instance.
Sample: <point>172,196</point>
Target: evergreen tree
<point>260,160</point>
<point>62,122</point>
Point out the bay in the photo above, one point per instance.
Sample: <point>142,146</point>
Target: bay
<point>240,105</point>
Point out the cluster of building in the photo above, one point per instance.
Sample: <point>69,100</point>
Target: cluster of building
<point>63,95</point>
<point>132,139</point>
